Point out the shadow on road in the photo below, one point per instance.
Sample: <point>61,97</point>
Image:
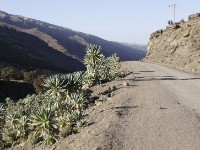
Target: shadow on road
<point>162,78</point>
<point>125,107</point>
<point>146,71</point>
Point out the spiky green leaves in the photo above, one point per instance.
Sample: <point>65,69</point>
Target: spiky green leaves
<point>59,85</point>
<point>55,84</point>
<point>98,66</point>
<point>93,61</point>
<point>59,111</point>
<point>43,121</point>
<point>2,115</point>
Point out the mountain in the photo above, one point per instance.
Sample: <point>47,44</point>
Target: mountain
<point>177,46</point>
<point>27,42</point>
<point>136,46</point>
<point>23,50</point>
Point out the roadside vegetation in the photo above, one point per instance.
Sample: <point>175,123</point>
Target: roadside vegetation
<point>16,83</point>
<point>59,107</point>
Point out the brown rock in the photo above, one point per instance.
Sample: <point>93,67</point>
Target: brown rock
<point>125,84</point>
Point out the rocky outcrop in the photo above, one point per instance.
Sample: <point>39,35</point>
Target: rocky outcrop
<point>177,45</point>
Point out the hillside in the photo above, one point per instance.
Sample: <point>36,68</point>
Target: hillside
<point>59,46</point>
<point>23,50</point>
<point>177,46</point>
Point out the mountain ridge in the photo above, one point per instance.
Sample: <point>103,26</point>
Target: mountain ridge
<point>70,43</point>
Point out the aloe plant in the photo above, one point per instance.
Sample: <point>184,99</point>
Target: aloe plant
<point>33,137</point>
<point>110,67</point>
<point>11,120</point>
<point>55,85</point>
<point>50,139</point>
<point>22,126</point>
<point>43,121</point>
<point>58,106</point>
<point>59,111</point>
<point>77,101</point>
<point>81,124</point>
<point>73,81</point>
<point>72,118</point>
<point>93,55</point>
<point>92,60</point>
<point>98,66</point>
<point>2,115</point>
<point>10,105</point>
<point>10,135</point>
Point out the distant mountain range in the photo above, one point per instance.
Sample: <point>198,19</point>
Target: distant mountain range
<point>30,43</point>
<point>136,46</point>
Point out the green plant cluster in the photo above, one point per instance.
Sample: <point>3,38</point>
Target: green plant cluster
<point>57,112</point>
<point>100,68</point>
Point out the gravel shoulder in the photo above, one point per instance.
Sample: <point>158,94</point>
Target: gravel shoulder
<point>159,110</point>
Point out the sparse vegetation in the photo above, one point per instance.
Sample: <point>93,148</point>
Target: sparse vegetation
<point>57,111</point>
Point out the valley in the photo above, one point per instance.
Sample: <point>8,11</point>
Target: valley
<point>65,89</point>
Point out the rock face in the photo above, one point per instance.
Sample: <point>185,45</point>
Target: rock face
<point>177,46</point>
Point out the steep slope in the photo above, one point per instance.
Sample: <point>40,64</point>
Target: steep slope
<point>23,50</point>
<point>70,43</point>
<point>177,46</point>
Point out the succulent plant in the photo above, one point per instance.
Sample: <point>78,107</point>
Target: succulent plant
<point>2,115</point>
<point>43,121</point>
<point>59,111</point>
<point>98,66</point>
<point>77,101</point>
<point>73,81</point>
<point>55,85</point>
<point>50,139</point>
<point>81,124</point>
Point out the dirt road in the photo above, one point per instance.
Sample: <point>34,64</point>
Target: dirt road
<point>168,110</point>
<point>159,110</point>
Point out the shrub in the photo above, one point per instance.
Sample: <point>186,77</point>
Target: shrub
<point>98,66</point>
<point>93,61</point>
<point>38,84</point>
<point>55,85</point>
<point>7,73</point>
<point>10,73</point>
<point>30,76</point>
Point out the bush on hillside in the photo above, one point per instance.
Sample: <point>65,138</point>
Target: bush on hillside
<point>10,73</point>
<point>30,76</point>
<point>99,67</point>
<point>38,84</point>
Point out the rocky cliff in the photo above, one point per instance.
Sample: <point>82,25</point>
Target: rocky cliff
<point>177,46</point>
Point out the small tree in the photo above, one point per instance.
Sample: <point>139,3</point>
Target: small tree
<point>30,76</point>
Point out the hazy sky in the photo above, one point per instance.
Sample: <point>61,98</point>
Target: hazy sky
<point>116,20</point>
